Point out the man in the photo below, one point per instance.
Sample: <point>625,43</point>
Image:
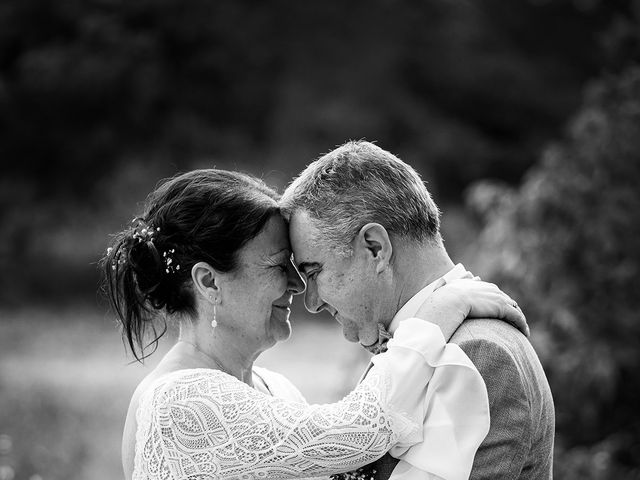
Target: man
<point>366,237</point>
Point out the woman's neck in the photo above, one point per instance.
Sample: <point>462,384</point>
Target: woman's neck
<point>217,353</point>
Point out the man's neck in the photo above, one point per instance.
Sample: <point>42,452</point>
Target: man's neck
<point>417,266</point>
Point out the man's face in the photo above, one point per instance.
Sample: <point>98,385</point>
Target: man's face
<point>347,287</point>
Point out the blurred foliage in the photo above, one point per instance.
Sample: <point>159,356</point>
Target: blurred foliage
<point>101,98</point>
<point>88,85</point>
<point>566,242</point>
<point>51,430</point>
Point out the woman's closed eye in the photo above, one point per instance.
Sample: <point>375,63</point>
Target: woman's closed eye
<point>280,264</point>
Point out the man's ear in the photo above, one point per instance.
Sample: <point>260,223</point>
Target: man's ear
<point>374,240</point>
<point>204,279</point>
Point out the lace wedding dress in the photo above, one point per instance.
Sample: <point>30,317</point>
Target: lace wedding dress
<point>204,424</point>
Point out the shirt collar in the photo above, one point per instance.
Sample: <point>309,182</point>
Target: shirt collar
<point>409,309</point>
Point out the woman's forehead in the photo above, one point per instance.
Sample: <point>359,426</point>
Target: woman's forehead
<point>272,241</point>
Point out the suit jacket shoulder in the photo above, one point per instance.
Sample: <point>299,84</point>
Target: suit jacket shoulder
<point>520,439</point>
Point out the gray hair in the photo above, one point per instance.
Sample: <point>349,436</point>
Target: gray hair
<point>359,183</point>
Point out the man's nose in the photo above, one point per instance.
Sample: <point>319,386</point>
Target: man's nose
<point>311,300</point>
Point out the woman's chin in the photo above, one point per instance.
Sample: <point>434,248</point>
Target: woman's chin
<point>281,331</point>
<point>280,326</point>
<point>284,336</point>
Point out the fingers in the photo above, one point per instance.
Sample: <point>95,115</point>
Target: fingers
<point>478,299</point>
<point>524,321</point>
<point>516,318</point>
<point>470,285</point>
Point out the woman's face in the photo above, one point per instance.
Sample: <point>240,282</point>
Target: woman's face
<point>256,298</point>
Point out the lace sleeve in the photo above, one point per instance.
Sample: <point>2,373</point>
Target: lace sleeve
<point>201,424</point>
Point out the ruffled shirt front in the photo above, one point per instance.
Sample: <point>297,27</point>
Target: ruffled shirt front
<point>456,406</point>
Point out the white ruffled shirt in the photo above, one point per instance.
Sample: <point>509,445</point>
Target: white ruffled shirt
<point>456,407</point>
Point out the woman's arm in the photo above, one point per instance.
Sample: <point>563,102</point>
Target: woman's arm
<point>208,423</point>
<point>203,422</point>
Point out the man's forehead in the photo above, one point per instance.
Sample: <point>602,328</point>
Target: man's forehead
<point>304,238</point>
<point>302,229</point>
<point>304,253</point>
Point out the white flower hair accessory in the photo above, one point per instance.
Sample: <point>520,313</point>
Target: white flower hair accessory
<point>170,265</point>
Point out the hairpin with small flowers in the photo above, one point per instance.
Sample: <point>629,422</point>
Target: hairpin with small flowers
<point>147,233</point>
<point>117,259</point>
<point>143,232</point>
<point>170,265</point>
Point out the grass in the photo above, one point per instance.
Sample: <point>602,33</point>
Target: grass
<point>65,384</point>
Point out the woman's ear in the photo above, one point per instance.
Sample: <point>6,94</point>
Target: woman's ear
<point>373,239</point>
<point>204,280</point>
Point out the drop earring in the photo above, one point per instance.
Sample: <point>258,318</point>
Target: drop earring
<point>214,322</point>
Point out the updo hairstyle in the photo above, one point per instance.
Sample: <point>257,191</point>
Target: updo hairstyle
<point>201,216</point>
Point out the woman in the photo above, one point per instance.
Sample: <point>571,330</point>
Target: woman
<point>212,252</point>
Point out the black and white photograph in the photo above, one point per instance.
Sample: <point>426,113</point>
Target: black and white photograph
<point>360,240</point>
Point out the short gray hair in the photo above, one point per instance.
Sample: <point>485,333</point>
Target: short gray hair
<point>359,183</point>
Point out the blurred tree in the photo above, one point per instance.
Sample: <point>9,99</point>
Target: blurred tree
<point>472,86</point>
<point>465,90</point>
<point>567,242</point>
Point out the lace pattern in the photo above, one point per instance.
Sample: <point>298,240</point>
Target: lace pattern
<point>204,424</point>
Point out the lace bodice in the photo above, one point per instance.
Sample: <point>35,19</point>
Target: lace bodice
<point>199,424</point>
<point>203,423</point>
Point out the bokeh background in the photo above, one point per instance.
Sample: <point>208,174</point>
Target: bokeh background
<point>523,116</point>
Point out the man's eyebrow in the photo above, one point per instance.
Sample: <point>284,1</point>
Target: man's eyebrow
<point>305,265</point>
<point>285,249</point>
